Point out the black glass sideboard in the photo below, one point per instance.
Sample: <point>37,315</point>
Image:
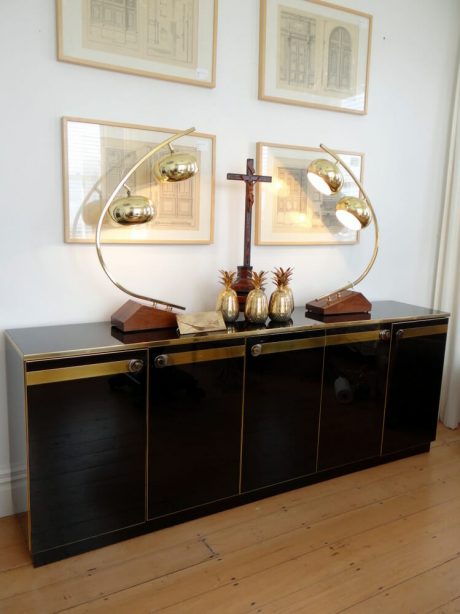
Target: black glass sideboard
<point>122,434</point>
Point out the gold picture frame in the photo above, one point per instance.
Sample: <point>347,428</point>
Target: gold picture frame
<point>97,154</point>
<point>314,54</point>
<point>174,42</point>
<point>290,211</point>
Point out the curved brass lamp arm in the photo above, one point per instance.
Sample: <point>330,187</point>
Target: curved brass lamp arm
<point>376,226</point>
<point>111,198</point>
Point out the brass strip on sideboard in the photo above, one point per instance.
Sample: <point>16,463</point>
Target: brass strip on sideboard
<point>290,346</point>
<point>422,331</point>
<point>367,335</point>
<point>64,374</point>
<point>183,358</point>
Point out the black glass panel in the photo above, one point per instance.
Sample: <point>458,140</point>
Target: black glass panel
<point>194,431</point>
<point>414,388</point>
<point>87,441</point>
<point>353,400</point>
<point>282,400</point>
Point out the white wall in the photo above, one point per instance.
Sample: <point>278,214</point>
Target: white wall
<point>404,136</point>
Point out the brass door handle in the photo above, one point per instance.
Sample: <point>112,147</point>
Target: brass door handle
<point>80,372</point>
<point>422,331</point>
<point>161,361</point>
<point>135,365</point>
<point>276,347</point>
<point>359,337</point>
<point>196,356</point>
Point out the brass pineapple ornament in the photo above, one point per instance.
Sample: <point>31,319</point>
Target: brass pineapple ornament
<point>227,301</point>
<point>256,308</point>
<point>281,303</point>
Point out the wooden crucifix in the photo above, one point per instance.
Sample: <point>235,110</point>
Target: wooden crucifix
<point>243,283</point>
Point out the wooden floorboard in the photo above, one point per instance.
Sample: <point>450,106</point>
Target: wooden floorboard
<point>386,539</point>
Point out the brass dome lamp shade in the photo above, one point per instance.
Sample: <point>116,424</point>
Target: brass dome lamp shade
<point>355,214</point>
<point>136,209</point>
<point>325,176</point>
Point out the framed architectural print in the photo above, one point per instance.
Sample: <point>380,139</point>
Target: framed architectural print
<point>96,155</point>
<point>165,39</point>
<point>290,211</point>
<point>314,54</point>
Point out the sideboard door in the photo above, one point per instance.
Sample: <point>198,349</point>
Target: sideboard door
<point>414,387</point>
<point>196,395</point>
<point>87,445</point>
<point>281,409</point>
<point>352,409</point>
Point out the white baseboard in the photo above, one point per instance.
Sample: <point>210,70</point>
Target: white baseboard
<point>9,479</point>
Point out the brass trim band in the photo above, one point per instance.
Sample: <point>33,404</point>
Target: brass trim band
<point>422,331</point>
<point>368,335</point>
<point>183,358</point>
<point>307,328</point>
<point>64,374</point>
<point>275,347</point>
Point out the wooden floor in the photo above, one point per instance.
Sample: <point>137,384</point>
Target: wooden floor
<point>382,540</point>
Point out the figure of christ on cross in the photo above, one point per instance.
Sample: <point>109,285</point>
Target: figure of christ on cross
<point>243,283</point>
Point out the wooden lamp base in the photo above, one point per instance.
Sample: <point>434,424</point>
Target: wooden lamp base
<point>344,302</point>
<point>134,316</point>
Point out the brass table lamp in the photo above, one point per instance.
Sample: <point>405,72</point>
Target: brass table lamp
<point>137,209</point>
<point>354,213</point>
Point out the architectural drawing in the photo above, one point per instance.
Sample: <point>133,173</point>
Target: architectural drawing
<point>340,60</point>
<point>172,27</point>
<point>297,48</point>
<point>299,207</point>
<point>112,25</point>
<point>160,30</point>
<point>176,207</point>
<point>117,161</point>
<point>315,54</point>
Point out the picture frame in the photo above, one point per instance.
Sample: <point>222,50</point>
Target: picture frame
<point>314,54</point>
<point>97,154</point>
<point>290,211</point>
<point>174,41</point>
